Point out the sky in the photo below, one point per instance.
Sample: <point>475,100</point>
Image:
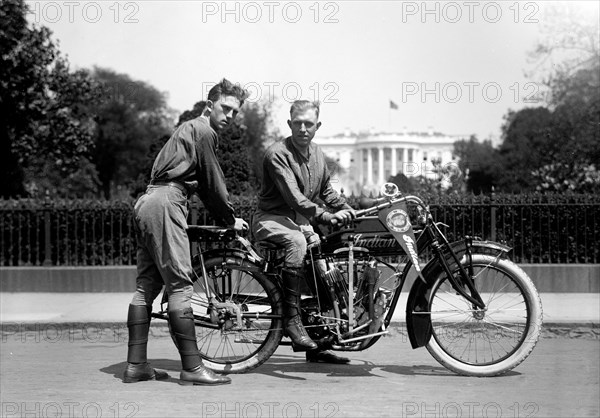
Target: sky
<point>453,67</point>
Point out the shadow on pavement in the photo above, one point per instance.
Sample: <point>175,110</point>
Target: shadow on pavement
<point>281,366</point>
<point>288,367</point>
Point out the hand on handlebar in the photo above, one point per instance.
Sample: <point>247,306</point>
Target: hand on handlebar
<point>239,225</point>
<point>340,217</point>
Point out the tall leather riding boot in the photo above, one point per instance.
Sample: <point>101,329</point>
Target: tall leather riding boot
<point>292,320</point>
<point>138,369</point>
<point>138,323</point>
<point>184,333</point>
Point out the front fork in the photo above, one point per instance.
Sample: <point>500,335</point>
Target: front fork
<point>465,277</point>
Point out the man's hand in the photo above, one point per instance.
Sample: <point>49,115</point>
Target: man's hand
<point>344,216</point>
<point>312,241</point>
<point>240,225</point>
<point>340,217</point>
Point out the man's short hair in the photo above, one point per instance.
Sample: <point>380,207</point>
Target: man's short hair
<point>227,88</point>
<point>302,105</point>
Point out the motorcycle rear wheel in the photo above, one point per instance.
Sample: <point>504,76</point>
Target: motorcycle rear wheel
<point>231,347</point>
<point>486,342</point>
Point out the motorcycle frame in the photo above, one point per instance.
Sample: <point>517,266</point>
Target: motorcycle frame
<point>428,236</point>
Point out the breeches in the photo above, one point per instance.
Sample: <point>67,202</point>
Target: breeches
<point>282,230</point>
<point>163,248</point>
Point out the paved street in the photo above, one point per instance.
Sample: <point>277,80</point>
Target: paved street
<point>55,370</point>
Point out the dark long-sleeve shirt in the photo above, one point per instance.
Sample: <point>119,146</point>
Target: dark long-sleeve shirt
<point>189,156</point>
<point>292,183</point>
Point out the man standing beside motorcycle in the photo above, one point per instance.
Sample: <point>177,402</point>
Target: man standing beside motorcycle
<point>187,163</point>
<point>295,175</point>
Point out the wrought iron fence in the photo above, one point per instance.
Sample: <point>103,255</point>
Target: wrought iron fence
<point>541,229</point>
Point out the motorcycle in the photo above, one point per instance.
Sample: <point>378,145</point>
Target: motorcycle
<point>474,310</point>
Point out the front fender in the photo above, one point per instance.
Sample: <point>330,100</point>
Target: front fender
<point>481,247</point>
<point>418,325</point>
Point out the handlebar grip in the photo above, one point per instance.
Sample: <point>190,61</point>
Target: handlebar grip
<point>361,212</point>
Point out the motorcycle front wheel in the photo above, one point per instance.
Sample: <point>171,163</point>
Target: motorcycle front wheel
<point>491,341</point>
<point>226,344</point>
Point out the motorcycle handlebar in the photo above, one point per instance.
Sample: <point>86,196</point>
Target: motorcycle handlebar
<point>388,203</point>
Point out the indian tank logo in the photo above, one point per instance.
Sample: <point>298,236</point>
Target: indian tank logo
<point>398,220</point>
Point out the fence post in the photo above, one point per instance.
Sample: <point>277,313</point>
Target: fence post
<point>493,215</point>
<point>47,229</point>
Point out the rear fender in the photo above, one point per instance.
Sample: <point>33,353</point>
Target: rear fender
<point>418,325</point>
<point>233,257</point>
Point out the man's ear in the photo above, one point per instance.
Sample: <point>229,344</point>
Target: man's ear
<point>318,126</point>
<point>289,123</point>
<point>208,107</point>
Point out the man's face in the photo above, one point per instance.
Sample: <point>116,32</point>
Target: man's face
<point>224,112</point>
<point>304,125</point>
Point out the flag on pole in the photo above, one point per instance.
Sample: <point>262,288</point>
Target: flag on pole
<point>393,105</point>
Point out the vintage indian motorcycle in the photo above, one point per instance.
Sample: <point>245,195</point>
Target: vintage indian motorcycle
<point>476,311</point>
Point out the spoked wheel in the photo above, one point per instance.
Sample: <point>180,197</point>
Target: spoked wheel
<point>243,329</point>
<point>491,341</point>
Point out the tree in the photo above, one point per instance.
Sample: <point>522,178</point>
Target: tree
<point>526,134</point>
<point>556,146</point>
<point>139,186</point>
<point>45,122</point>
<point>480,162</point>
<point>570,43</point>
<point>405,185</point>
<point>260,133</point>
<point>447,179</point>
<point>129,117</point>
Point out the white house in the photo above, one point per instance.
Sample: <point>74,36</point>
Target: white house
<point>366,160</point>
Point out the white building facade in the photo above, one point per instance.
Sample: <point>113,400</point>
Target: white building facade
<point>364,161</point>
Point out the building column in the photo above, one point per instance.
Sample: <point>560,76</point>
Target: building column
<point>394,162</point>
<point>418,153</point>
<point>361,167</point>
<point>404,157</point>
<point>369,166</point>
<point>381,179</point>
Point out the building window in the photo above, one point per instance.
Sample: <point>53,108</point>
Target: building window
<point>410,155</point>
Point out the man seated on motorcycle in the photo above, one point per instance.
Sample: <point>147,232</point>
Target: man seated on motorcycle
<point>295,175</point>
